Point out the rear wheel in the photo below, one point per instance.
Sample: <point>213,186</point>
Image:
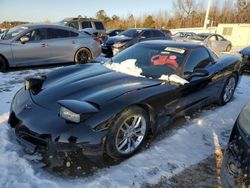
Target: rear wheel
<point>3,65</point>
<point>127,133</point>
<point>83,55</point>
<point>228,90</point>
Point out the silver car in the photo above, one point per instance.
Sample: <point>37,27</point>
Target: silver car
<point>214,41</point>
<point>34,44</point>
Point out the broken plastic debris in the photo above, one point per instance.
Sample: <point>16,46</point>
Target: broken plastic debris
<point>174,78</point>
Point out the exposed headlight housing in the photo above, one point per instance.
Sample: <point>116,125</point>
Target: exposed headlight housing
<point>69,115</point>
<point>119,45</point>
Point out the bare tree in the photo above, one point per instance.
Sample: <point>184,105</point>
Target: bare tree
<point>185,7</point>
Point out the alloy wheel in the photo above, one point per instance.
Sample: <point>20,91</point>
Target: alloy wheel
<point>229,89</point>
<point>83,56</point>
<point>130,134</point>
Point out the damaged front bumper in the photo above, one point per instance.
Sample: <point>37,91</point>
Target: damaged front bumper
<point>61,144</point>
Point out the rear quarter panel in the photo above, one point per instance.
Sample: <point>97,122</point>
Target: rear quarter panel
<point>91,44</point>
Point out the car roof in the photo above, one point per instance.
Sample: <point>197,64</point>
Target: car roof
<point>177,44</point>
<point>79,19</point>
<point>34,26</point>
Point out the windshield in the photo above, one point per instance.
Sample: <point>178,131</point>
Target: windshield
<point>11,33</point>
<point>151,61</point>
<point>199,37</point>
<point>131,33</point>
<point>244,119</point>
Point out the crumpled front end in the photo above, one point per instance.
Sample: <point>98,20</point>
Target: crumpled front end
<point>41,130</point>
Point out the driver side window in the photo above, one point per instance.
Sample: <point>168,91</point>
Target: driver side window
<point>146,34</point>
<point>199,58</point>
<point>36,35</point>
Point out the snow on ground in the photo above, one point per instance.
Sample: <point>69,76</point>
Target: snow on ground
<point>177,150</point>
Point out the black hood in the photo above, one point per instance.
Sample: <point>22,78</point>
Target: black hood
<point>89,83</point>
<point>118,38</point>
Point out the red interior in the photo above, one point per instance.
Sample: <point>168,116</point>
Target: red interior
<point>165,60</point>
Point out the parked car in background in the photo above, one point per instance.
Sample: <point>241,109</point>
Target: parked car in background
<point>246,58</point>
<point>110,108</point>
<point>214,41</point>
<point>83,23</point>
<point>35,44</point>
<point>167,32</point>
<point>113,32</point>
<point>127,38</point>
<point>236,161</point>
<point>183,35</point>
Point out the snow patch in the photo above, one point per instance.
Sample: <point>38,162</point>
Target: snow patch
<point>128,67</point>
<point>181,147</point>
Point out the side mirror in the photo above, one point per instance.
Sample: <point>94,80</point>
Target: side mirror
<point>24,39</point>
<point>199,72</point>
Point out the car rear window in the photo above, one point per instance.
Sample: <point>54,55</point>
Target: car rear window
<point>156,33</point>
<point>99,26</point>
<point>58,33</point>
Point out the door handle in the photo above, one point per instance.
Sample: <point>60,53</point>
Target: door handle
<point>73,42</point>
<point>44,45</point>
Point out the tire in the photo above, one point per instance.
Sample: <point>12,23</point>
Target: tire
<point>228,90</point>
<point>127,133</point>
<point>3,65</point>
<point>226,179</point>
<point>229,47</point>
<point>82,56</point>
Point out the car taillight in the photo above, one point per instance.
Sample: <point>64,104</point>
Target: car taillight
<point>97,39</point>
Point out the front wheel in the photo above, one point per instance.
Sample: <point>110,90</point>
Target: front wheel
<point>228,90</point>
<point>127,133</point>
<point>3,65</point>
<point>83,55</point>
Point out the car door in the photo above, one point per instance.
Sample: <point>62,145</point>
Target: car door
<point>201,88</point>
<point>32,52</point>
<point>61,45</point>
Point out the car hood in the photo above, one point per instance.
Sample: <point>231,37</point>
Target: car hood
<point>92,83</point>
<point>118,38</point>
<point>246,51</point>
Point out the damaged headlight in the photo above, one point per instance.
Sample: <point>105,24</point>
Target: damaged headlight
<point>69,115</point>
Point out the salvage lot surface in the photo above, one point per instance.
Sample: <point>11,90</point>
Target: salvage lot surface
<point>199,137</point>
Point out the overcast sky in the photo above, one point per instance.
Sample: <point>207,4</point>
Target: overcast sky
<point>56,10</point>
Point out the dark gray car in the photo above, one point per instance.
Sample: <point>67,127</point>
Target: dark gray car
<point>34,44</point>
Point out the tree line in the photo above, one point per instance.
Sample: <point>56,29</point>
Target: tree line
<point>185,14</point>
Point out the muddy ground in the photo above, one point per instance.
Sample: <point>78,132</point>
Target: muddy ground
<point>204,174</point>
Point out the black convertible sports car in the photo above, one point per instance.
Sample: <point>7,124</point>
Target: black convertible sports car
<point>111,108</point>
<point>236,161</point>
